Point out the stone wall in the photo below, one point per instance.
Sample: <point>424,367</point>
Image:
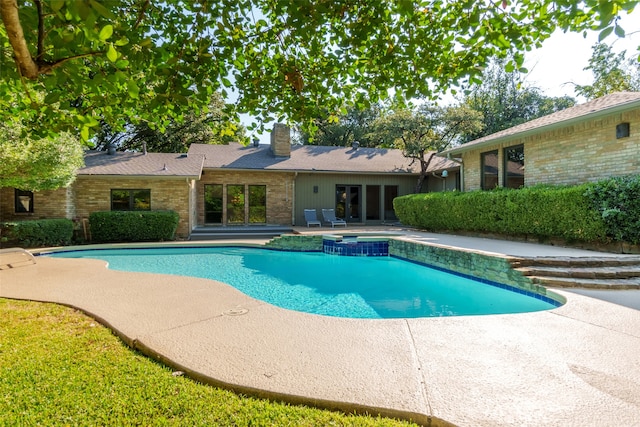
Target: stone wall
<point>582,152</point>
<point>472,263</point>
<point>94,194</point>
<point>297,242</point>
<point>281,140</point>
<point>46,204</point>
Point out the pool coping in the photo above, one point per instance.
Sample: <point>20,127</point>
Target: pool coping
<point>571,365</point>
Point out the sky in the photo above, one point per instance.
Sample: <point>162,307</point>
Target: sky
<point>562,58</point>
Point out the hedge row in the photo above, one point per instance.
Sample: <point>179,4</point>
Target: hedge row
<point>543,212</point>
<point>133,226</point>
<point>37,233</point>
<point>617,200</point>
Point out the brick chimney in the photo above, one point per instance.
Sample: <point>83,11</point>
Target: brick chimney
<point>281,140</point>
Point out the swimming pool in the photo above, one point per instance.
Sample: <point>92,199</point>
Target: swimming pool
<point>314,282</point>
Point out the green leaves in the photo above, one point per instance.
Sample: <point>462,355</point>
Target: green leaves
<point>288,62</point>
<point>106,32</point>
<point>111,53</point>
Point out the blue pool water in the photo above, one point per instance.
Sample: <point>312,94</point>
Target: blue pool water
<point>314,282</point>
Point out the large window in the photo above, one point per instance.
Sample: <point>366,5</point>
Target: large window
<point>235,204</point>
<point>489,179</point>
<point>23,201</point>
<point>257,204</point>
<point>213,203</point>
<point>514,166</point>
<point>130,200</point>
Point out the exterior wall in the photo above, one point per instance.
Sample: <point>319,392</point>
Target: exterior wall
<point>94,194</point>
<point>435,184</point>
<point>279,191</point>
<point>46,204</point>
<point>325,197</point>
<point>583,152</point>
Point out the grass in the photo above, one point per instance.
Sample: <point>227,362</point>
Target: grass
<point>60,367</point>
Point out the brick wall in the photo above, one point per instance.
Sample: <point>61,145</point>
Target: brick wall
<point>587,151</point>
<point>46,204</point>
<point>279,191</point>
<point>94,194</point>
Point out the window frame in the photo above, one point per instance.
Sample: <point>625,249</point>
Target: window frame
<point>505,166</point>
<point>131,199</point>
<point>483,175</point>
<point>19,207</point>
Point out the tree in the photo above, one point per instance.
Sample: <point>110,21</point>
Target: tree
<point>425,131</point>
<point>611,73</point>
<point>505,100</point>
<point>147,61</point>
<point>34,164</point>
<point>343,130</point>
<point>211,127</point>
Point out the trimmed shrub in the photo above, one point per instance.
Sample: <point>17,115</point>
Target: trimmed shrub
<point>133,226</point>
<point>617,200</point>
<point>543,212</point>
<point>37,233</point>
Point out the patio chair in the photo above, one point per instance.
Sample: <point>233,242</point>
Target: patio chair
<point>329,216</point>
<point>311,217</point>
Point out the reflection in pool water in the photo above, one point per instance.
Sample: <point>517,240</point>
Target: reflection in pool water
<point>313,282</point>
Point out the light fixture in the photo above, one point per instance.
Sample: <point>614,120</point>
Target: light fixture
<point>445,173</point>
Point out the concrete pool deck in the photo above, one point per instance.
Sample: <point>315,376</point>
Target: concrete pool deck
<point>577,365</point>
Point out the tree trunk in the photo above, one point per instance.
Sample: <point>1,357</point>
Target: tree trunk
<point>424,165</point>
<point>26,65</point>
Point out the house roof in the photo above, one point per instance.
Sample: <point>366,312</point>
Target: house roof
<point>608,104</point>
<point>313,158</point>
<point>139,164</point>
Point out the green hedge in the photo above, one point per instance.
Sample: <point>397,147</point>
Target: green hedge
<point>543,212</point>
<point>37,233</point>
<point>617,200</point>
<point>133,226</point>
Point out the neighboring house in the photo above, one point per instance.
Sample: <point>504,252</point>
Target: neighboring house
<point>225,185</point>
<point>587,142</point>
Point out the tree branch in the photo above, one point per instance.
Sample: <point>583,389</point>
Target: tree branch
<point>47,67</point>
<point>27,67</point>
<point>40,30</point>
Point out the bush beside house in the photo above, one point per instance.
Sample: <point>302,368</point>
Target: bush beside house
<point>38,233</point>
<point>540,212</point>
<point>133,226</point>
<point>617,200</point>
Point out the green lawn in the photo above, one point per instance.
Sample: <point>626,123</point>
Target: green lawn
<point>60,367</point>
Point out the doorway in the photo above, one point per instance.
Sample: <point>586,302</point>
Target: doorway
<point>348,202</point>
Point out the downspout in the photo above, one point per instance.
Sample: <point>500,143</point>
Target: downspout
<point>293,199</point>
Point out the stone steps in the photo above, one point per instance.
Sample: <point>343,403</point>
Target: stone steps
<point>238,232</point>
<point>622,272</point>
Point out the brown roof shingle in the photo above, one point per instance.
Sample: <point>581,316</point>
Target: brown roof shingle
<point>314,158</point>
<point>139,164</point>
<point>597,107</point>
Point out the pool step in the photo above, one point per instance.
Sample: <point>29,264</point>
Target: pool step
<point>238,232</point>
<point>621,272</point>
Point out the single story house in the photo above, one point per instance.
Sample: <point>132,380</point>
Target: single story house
<point>226,185</point>
<point>587,142</point>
